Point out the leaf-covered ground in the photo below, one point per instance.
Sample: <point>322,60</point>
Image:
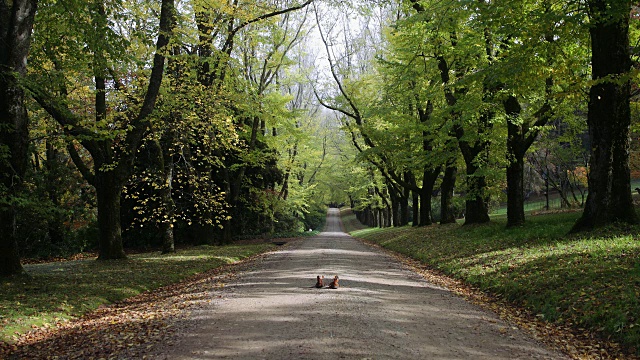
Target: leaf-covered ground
<point>51,311</point>
<point>563,290</point>
<point>581,294</point>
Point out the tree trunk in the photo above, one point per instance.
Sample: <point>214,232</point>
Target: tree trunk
<point>166,227</point>
<point>425,208</point>
<point>16,24</point>
<point>477,203</point>
<point>404,206</point>
<point>515,191</point>
<point>609,199</point>
<point>108,191</point>
<point>388,217</point>
<point>515,168</point>
<point>415,208</point>
<point>426,193</point>
<point>447,215</point>
<point>9,254</point>
<point>395,207</point>
<point>164,166</point>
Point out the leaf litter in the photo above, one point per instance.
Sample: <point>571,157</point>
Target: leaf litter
<point>577,343</point>
<point>127,329</point>
<point>133,327</point>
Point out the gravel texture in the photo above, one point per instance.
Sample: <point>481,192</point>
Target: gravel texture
<point>381,310</point>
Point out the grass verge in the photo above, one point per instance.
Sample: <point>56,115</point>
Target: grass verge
<point>590,283</point>
<point>58,291</point>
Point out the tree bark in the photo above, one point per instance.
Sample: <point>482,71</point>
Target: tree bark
<point>16,24</point>
<point>108,192</point>
<point>447,215</point>
<point>404,208</point>
<point>404,204</point>
<point>9,253</point>
<point>477,203</point>
<point>609,199</point>
<point>395,206</point>
<point>515,192</point>
<point>166,167</point>
<point>515,168</point>
<point>426,193</point>
<point>415,208</point>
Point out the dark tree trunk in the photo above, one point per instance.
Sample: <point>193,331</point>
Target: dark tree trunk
<point>108,191</point>
<point>415,208</point>
<point>426,193</point>
<point>425,209</point>
<point>515,192</point>
<point>16,24</point>
<point>395,206</point>
<point>404,205</point>
<point>609,199</point>
<point>520,137</point>
<point>477,203</point>
<point>404,209</point>
<point>447,215</point>
<point>515,168</point>
<point>388,217</point>
<point>9,254</point>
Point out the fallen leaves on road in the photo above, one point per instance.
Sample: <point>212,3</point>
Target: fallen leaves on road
<point>128,329</point>
<point>576,343</point>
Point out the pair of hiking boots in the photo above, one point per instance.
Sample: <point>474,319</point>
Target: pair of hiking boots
<point>332,285</point>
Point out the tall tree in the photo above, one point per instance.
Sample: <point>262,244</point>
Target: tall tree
<point>457,50</point>
<point>113,157</point>
<point>16,24</point>
<point>531,62</point>
<point>609,119</point>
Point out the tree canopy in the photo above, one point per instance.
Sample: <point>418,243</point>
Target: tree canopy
<point>151,124</point>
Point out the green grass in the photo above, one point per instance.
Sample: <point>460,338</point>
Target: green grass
<point>587,282</point>
<point>531,206</point>
<point>349,221</point>
<point>63,290</point>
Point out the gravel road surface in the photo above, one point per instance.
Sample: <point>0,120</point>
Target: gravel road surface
<point>381,311</point>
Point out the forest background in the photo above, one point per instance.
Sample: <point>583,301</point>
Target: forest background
<point>146,124</point>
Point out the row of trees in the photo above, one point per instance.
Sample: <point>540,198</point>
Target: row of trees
<point>493,87</point>
<point>198,123</point>
<point>156,122</point>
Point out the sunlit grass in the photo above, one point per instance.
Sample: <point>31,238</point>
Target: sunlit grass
<point>587,281</point>
<point>55,291</point>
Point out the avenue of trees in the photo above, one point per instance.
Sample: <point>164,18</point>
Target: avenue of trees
<point>151,123</point>
<point>487,101</point>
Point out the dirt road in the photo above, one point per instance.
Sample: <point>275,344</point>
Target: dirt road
<point>381,311</point>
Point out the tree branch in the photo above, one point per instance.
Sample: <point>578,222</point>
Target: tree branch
<point>80,164</point>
